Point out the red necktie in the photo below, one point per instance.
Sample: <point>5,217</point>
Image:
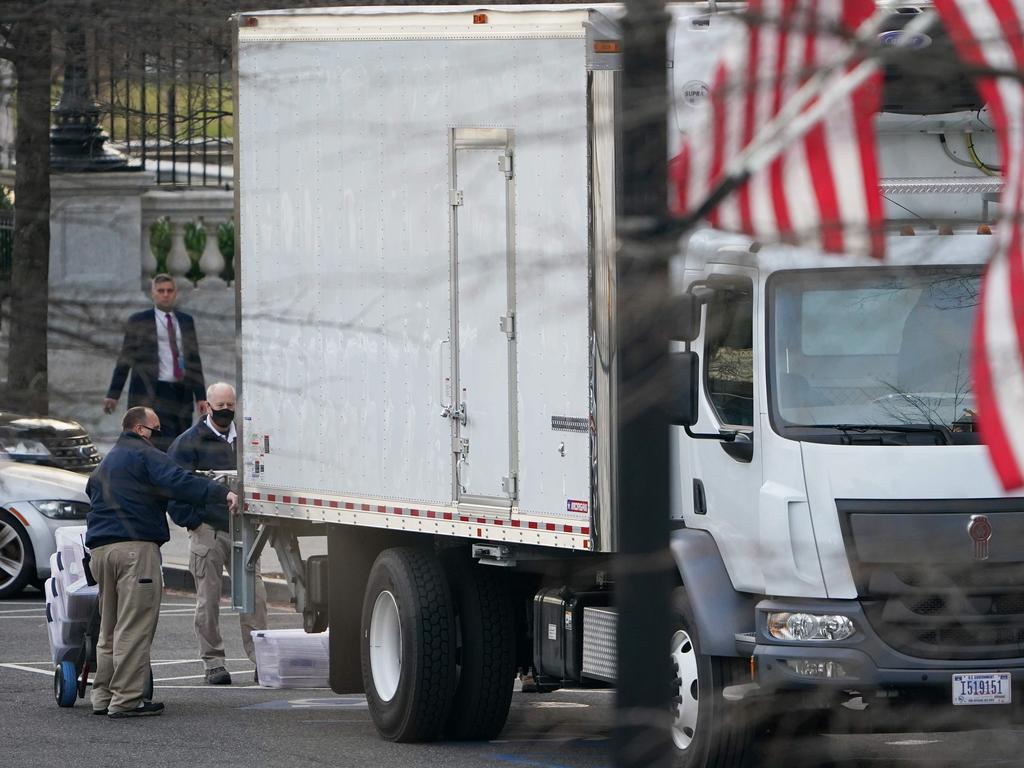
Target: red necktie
<point>174,348</point>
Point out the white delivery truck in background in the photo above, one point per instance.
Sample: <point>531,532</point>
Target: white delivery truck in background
<point>426,202</point>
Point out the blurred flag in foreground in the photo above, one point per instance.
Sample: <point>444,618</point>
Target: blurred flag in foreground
<point>819,190</point>
<point>989,35</point>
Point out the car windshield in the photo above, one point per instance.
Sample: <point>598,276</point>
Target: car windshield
<point>865,348</point>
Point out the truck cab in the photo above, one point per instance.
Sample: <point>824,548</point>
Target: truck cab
<point>838,472</point>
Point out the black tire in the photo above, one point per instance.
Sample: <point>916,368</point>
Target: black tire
<point>485,649</point>
<point>16,552</point>
<point>721,732</point>
<point>412,699</point>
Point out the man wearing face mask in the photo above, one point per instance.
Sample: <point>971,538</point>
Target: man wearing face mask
<point>210,444</point>
<point>127,523</point>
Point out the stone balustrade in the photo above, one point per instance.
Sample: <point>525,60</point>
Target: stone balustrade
<point>209,207</point>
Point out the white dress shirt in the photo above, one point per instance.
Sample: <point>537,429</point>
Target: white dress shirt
<point>232,434</point>
<point>163,345</point>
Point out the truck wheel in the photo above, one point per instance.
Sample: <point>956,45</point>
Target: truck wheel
<point>407,646</point>
<point>17,562</point>
<point>706,729</point>
<point>485,649</point>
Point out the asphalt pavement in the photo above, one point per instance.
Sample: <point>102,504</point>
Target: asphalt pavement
<point>245,726</point>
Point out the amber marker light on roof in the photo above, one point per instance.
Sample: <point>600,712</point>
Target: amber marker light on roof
<point>606,46</point>
<point>479,18</point>
<point>251,21</point>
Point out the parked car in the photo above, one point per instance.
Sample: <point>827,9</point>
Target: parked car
<point>34,502</point>
<point>48,441</point>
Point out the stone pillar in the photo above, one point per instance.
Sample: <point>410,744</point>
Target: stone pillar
<point>96,235</point>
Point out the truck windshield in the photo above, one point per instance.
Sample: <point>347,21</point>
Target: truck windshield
<point>856,350</point>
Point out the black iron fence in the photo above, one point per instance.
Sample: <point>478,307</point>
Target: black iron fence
<point>168,102</point>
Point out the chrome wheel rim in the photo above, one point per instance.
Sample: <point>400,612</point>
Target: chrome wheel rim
<point>12,554</point>
<point>686,691</point>
<point>385,646</point>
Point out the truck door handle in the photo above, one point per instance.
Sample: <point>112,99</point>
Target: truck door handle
<point>700,501</point>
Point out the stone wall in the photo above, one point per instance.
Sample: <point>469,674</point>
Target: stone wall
<point>100,267</point>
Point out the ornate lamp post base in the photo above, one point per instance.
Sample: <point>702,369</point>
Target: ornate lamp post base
<point>76,139</point>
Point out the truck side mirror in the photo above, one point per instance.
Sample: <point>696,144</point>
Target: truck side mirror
<point>684,319</point>
<point>685,378</point>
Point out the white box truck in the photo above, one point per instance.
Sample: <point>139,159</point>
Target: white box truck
<point>426,299</point>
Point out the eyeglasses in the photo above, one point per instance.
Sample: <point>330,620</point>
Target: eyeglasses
<point>152,430</point>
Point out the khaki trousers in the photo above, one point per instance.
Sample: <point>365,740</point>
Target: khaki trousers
<point>209,554</point>
<point>129,578</point>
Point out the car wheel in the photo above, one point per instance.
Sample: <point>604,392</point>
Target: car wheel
<point>17,563</point>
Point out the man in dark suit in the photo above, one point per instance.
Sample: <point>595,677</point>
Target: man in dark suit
<point>162,351</point>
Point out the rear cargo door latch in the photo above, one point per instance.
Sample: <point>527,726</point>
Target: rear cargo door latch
<point>505,165</point>
<point>507,324</point>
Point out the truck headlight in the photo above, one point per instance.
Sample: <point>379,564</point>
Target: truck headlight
<point>18,447</point>
<point>809,626</point>
<point>59,509</point>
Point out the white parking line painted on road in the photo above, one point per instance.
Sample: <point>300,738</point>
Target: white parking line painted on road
<point>912,742</point>
<point>207,687</point>
<point>180,677</point>
<point>47,672</point>
<point>37,609</point>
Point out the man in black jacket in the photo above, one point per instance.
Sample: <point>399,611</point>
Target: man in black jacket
<point>127,523</point>
<point>162,351</point>
<point>210,444</point>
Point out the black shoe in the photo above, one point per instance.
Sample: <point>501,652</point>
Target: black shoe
<point>144,709</point>
<point>99,711</point>
<point>218,676</point>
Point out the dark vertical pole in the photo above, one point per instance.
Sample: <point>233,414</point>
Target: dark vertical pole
<point>172,116</point>
<point>144,117</point>
<point>643,573</point>
<point>220,121</point>
<point>113,88</point>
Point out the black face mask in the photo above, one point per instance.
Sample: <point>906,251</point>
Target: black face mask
<point>223,417</point>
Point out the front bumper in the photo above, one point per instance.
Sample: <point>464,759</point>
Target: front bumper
<point>862,662</point>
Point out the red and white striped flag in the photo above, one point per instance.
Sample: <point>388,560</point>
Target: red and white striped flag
<point>820,190</point>
<point>990,34</point>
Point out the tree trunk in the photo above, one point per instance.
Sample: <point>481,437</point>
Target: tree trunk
<point>27,386</point>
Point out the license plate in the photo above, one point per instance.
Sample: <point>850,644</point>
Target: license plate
<point>981,688</point>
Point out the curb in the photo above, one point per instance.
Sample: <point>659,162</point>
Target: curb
<point>179,578</point>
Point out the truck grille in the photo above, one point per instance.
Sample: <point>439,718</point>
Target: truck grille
<point>941,616</point>
<point>77,454</point>
<point>924,590</point>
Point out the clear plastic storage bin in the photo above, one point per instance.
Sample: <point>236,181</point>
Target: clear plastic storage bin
<point>291,658</point>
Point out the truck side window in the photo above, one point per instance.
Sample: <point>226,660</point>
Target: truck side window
<point>729,355</point>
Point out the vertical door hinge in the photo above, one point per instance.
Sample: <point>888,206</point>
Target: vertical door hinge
<point>454,197</point>
<point>505,165</point>
<point>509,486</point>
<point>508,325</point>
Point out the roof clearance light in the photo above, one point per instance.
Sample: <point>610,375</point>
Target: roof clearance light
<point>479,18</point>
<point>606,46</point>
<point>984,229</point>
<point>251,21</point>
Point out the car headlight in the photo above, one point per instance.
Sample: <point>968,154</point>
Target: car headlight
<point>59,509</point>
<point>809,626</point>
<point>19,447</point>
